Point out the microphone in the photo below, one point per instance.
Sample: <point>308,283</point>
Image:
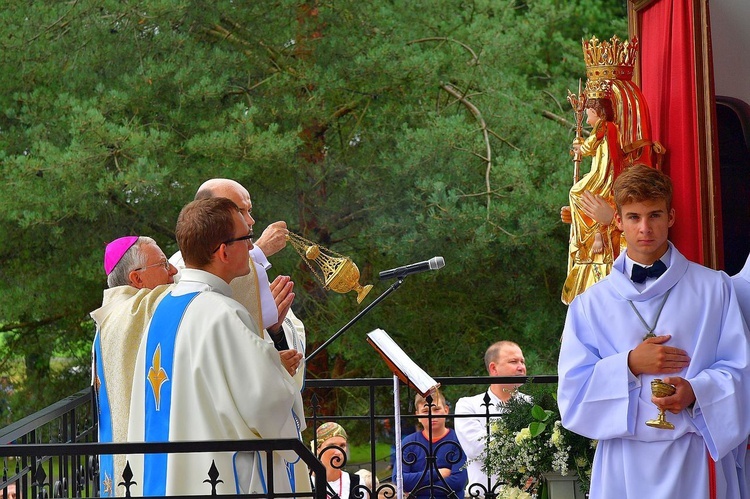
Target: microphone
<point>431,264</point>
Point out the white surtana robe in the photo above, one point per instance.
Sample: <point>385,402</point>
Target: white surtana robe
<point>254,292</point>
<point>741,284</point>
<point>600,398</point>
<point>120,324</point>
<point>204,373</point>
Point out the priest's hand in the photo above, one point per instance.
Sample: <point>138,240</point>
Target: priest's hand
<point>653,357</point>
<point>281,289</point>
<point>291,360</point>
<point>683,396</point>
<point>273,238</point>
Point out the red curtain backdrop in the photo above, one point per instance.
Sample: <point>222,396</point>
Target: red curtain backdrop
<point>668,83</point>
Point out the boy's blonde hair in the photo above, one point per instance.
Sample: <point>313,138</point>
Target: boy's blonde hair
<point>437,399</point>
<point>640,183</point>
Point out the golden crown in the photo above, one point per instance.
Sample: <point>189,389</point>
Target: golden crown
<point>607,60</point>
<point>598,89</point>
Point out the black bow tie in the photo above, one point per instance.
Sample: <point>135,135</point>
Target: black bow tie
<point>640,274</point>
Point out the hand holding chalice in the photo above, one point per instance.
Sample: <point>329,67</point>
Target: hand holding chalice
<point>661,389</point>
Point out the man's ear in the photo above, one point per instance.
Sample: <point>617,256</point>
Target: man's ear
<point>618,221</point>
<point>135,279</point>
<point>671,217</point>
<point>221,253</point>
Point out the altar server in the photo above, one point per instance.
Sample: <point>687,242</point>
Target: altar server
<point>657,315</point>
<point>741,282</point>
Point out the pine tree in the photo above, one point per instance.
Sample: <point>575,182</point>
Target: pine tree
<point>388,131</point>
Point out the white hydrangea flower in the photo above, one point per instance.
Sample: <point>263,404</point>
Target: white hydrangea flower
<point>522,435</point>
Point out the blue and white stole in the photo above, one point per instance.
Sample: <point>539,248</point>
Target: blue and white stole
<point>106,461</point>
<point>162,333</point>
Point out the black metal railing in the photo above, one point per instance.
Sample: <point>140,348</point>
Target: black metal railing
<point>54,452</point>
<point>68,421</point>
<point>40,485</point>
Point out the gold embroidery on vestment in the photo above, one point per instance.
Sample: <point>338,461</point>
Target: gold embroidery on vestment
<point>157,376</point>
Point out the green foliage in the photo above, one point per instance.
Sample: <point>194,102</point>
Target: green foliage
<point>359,454</point>
<point>389,132</point>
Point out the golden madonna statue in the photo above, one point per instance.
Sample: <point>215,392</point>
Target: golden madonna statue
<point>613,62</point>
<point>620,136</point>
<point>593,244</point>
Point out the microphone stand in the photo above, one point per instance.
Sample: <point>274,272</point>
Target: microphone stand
<point>349,324</point>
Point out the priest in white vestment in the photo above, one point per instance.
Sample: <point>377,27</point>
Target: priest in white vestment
<point>138,276</point>
<point>204,373</point>
<point>657,315</point>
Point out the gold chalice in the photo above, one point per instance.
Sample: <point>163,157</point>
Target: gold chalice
<point>335,272</point>
<point>661,389</point>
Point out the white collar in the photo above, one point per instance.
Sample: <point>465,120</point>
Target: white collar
<point>666,258</point>
<point>193,280</point>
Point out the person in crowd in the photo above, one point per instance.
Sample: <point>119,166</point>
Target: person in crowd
<point>331,448</point>
<point>502,358</point>
<point>369,482</point>
<point>204,373</point>
<point>433,462</point>
<point>9,492</point>
<point>408,426</point>
<point>138,276</point>
<point>269,304</point>
<point>657,317</point>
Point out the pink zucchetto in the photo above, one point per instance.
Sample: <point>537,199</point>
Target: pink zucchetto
<point>115,250</point>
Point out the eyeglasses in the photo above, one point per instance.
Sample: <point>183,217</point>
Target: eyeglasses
<point>164,263</point>
<point>248,237</point>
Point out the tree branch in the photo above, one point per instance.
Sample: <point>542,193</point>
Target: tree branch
<point>562,121</point>
<point>474,56</point>
<point>505,141</point>
<point>160,229</point>
<point>73,6</point>
<point>485,133</point>
<point>30,324</point>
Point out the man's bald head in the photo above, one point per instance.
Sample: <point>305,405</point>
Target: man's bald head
<point>230,189</point>
<point>219,188</point>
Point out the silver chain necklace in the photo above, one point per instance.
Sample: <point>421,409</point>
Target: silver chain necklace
<point>650,329</point>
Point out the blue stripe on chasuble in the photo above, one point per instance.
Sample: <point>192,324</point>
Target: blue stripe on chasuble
<point>106,461</point>
<point>162,334</point>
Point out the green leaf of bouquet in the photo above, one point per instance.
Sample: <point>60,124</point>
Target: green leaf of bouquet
<point>544,492</point>
<point>536,428</point>
<point>539,414</point>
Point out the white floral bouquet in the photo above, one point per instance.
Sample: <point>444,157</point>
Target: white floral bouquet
<point>529,441</point>
<point>507,492</point>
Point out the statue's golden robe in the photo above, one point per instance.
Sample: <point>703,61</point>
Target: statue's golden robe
<point>584,266</point>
